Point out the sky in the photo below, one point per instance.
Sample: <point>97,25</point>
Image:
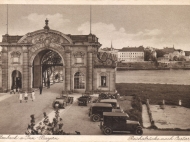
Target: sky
<point>155,26</point>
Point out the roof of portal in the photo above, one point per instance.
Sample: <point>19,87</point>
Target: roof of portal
<point>43,35</point>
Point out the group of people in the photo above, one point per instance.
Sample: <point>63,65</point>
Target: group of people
<point>26,96</point>
<point>46,127</point>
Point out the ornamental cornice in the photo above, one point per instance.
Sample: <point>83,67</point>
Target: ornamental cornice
<point>14,44</point>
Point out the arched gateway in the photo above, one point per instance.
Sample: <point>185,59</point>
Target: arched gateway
<point>49,55</point>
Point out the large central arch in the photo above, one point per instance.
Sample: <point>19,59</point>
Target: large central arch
<point>45,64</point>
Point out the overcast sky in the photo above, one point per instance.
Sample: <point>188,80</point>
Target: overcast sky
<point>129,25</point>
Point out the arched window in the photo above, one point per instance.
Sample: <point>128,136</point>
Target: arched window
<point>103,80</point>
<point>79,82</point>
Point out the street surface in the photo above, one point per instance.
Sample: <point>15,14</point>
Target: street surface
<point>15,116</point>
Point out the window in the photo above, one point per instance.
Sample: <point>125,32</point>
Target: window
<point>79,82</point>
<point>103,80</point>
<point>15,57</point>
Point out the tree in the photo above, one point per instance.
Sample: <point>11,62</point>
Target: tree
<point>147,55</point>
<point>160,53</point>
<point>175,58</point>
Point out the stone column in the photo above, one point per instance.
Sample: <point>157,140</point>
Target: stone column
<point>25,79</point>
<point>4,58</point>
<point>67,70</point>
<point>89,71</point>
<point>29,79</point>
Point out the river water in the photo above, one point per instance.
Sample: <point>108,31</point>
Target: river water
<point>154,76</point>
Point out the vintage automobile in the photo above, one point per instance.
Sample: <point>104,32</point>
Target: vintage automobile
<point>96,110</point>
<point>84,100</point>
<point>119,122</point>
<point>113,102</point>
<point>107,96</point>
<point>118,110</point>
<point>62,101</point>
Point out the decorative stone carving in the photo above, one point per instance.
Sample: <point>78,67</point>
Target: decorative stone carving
<point>104,59</point>
<point>79,54</point>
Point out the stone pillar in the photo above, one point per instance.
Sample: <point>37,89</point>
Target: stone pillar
<point>67,70</point>
<point>29,79</point>
<point>89,71</point>
<point>25,79</point>
<point>4,58</point>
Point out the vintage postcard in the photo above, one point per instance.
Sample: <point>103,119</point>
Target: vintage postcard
<point>82,70</point>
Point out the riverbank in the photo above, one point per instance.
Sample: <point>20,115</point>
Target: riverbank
<point>126,69</point>
<point>156,93</point>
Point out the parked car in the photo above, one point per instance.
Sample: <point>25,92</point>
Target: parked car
<point>84,100</point>
<point>96,110</point>
<point>113,121</point>
<point>113,102</point>
<point>107,96</point>
<point>62,101</point>
<point>118,110</point>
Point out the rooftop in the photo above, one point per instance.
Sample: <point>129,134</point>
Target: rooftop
<point>101,105</point>
<point>115,114</point>
<point>132,49</point>
<point>187,53</point>
<point>108,101</point>
<point>168,49</point>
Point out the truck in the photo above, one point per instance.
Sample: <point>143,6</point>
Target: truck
<point>119,122</point>
<point>96,111</point>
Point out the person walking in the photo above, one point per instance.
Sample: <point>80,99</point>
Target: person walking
<point>20,97</point>
<point>14,90</point>
<point>48,83</point>
<point>33,95</point>
<point>26,96</point>
<point>40,89</point>
<point>18,90</point>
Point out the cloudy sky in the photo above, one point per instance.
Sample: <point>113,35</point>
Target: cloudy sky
<point>127,25</point>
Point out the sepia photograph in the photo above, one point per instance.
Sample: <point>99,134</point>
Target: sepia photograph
<point>92,69</point>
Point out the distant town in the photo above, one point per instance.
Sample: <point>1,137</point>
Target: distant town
<point>149,57</point>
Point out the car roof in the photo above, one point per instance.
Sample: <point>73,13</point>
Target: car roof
<point>108,100</point>
<point>101,105</point>
<point>114,114</point>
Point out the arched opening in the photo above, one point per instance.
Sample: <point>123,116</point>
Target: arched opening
<point>47,68</point>
<point>16,80</point>
<point>79,81</point>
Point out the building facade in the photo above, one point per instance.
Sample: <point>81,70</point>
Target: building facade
<point>47,55</point>
<point>131,54</point>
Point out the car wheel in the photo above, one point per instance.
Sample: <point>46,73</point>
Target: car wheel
<point>56,103</point>
<point>96,118</point>
<point>107,131</point>
<point>139,131</point>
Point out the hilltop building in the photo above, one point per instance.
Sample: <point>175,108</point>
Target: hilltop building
<point>131,54</point>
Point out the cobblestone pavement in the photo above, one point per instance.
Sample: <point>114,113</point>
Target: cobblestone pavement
<point>15,116</point>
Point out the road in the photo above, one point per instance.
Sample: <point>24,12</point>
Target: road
<point>15,116</point>
<point>75,118</point>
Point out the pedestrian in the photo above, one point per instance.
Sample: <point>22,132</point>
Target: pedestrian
<point>14,90</point>
<point>20,97</point>
<point>18,90</point>
<point>26,96</point>
<point>48,83</point>
<point>33,95</point>
<point>40,89</point>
